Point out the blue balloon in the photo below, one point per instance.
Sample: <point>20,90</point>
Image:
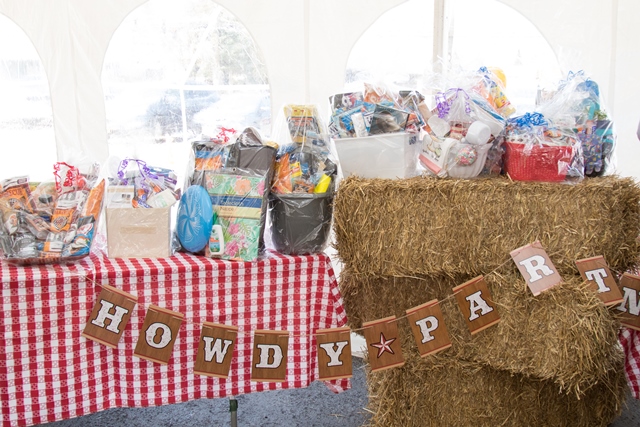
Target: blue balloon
<point>195,218</point>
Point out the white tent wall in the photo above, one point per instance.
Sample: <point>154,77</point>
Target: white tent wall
<point>306,45</point>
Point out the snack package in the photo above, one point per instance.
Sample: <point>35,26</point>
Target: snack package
<point>491,87</point>
<point>576,104</point>
<point>538,150</point>
<point>51,223</point>
<point>463,138</point>
<point>303,183</point>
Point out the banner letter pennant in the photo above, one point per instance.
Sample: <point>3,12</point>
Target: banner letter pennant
<point>269,361</point>
<point>215,350</point>
<point>383,344</point>
<point>428,327</point>
<point>630,307</point>
<point>476,304</point>
<point>158,334</point>
<point>110,316</point>
<point>536,267</point>
<point>334,353</point>
<point>596,271</point>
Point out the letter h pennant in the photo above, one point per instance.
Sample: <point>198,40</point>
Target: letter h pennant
<point>110,316</point>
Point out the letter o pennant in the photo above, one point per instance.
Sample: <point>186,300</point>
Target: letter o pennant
<point>158,334</point>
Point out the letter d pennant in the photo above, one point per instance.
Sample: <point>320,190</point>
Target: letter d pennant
<point>269,361</point>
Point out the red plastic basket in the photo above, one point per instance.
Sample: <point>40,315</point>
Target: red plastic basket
<point>542,163</point>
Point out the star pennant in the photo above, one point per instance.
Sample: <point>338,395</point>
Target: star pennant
<point>383,345</point>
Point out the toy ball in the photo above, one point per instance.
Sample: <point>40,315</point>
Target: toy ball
<point>195,218</point>
<point>466,156</point>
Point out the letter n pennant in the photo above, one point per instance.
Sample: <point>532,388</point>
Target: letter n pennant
<point>334,353</point>
<point>110,316</point>
<point>383,344</point>
<point>476,304</point>
<point>269,361</point>
<point>536,267</point>
<point>215,350</point>
<point>158,334</point>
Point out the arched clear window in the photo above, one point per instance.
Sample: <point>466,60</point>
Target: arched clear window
<point>407,45</point>
<point>175,70</point>
<point>26,117</point>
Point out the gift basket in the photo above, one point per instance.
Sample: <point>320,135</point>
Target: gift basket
<point>375,131</point>
<point>576,104</point>
<point>538,150</point>
<point>222,213</point>
<point>50,222</point>
<point>464,136</point>
<point>300,201</point>
<point>138,210</point>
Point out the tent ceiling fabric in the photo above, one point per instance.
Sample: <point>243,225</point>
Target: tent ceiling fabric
<point>306,53</point>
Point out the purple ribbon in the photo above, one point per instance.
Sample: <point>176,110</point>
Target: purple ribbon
<point>142,167</point>
<point>445,99</point>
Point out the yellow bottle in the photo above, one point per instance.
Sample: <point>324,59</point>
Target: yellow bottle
<point>323,184</point>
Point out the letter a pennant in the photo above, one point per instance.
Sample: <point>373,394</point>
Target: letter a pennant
<point>269,361</point>
<point>476,304</point>
<point>536,267</point>
<point>334,353</point>
<point>383,344</point>
<point>110,316</point>
<point>215,350</point>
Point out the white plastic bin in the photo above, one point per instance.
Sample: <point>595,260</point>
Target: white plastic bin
<point>391,155</point>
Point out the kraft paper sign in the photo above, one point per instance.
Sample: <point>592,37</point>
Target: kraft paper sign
<point>536,267</point>
<point>383,344</point>
<point>629,308</point>
<point>596,271</point>
<point>476,304</point>
<point>334,353</point>
<point>215,350</point>
<point>158,334</point>
<point>428,327</point>
<point>269,361</point>
<point>110,316</point>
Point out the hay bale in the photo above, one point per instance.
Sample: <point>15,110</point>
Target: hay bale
<point>455,393</point>
<point>425,226</point>
<point>564,335</point>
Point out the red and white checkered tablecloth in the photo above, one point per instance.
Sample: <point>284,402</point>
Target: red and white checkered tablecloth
<point>49,372</point>
<point>630,341</point>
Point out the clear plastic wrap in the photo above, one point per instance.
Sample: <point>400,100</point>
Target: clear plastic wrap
<point>538,150</point>
<point>139,210</point>
<point>51,222</point>
<point>376,131</point>
<point>300,202</point>
<point>235,175</point>
<point>576,104</point>
<point>463,138</point>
